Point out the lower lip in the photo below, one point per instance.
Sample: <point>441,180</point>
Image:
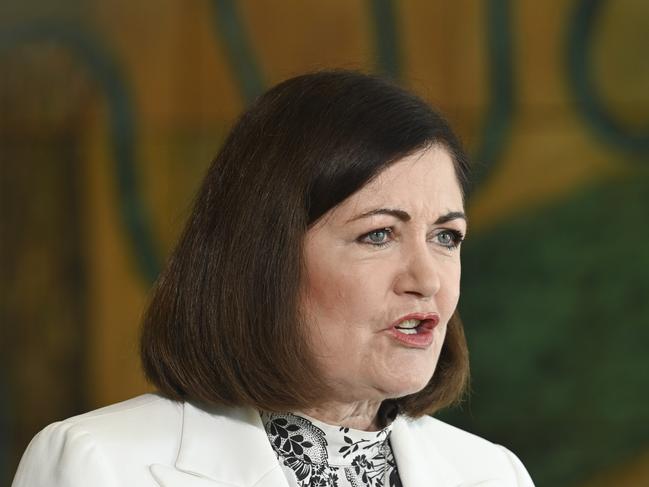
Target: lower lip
<point>422,339</point>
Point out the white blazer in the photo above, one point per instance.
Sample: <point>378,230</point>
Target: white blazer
<point>150,441</point>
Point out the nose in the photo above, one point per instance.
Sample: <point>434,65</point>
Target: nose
<point>420,274</point>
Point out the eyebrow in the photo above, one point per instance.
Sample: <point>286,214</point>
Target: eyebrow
<point>404,216</point>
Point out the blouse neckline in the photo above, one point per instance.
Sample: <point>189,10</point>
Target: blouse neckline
<point>315,442</point>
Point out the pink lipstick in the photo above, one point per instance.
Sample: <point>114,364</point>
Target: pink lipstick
<point>415,330</point>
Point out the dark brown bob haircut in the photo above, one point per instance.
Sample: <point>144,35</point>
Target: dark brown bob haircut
<point>223,325</point>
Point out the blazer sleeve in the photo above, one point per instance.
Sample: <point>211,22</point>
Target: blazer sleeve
<point>522,478</point>
<point>63,455</point>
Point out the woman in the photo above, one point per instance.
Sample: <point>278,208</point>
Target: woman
<point>305,325</point>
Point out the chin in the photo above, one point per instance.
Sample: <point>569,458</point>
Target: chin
<point>409,384</point>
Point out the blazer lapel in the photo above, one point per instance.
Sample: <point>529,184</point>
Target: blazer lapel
<point>229,447</point>
<point>226,446</point>
<point>419,462</point>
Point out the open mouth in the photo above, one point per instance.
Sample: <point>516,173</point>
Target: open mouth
<point>415,326</point>
<point>410,327</point>
<point>415,330</point>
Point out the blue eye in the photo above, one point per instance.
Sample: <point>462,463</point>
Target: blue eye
<point>451,239</point>
<point>378,238</point>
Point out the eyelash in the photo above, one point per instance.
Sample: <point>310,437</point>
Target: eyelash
<point>458,238</point>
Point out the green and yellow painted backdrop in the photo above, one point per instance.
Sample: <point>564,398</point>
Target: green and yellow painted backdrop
<point>112,109</point>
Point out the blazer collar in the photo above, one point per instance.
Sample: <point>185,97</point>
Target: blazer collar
<point>229,446</point>
<point>222,445</point>
<point>419,461</point>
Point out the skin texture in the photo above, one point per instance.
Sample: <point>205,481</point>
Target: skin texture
<point>354,290</point>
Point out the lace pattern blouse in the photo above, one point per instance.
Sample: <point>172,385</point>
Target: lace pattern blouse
<point>315,454</point>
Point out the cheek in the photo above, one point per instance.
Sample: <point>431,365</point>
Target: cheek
<point>326,290</point>
<point>334,297</point>
<point>336,320</point>
<point>449,294</point>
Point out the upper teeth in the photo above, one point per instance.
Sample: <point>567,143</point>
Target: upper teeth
<point>409,324</point>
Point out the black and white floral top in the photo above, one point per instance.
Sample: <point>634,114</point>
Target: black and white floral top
<point>315,454</point>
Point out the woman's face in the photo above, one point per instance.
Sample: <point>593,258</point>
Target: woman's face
<point>386,256</point>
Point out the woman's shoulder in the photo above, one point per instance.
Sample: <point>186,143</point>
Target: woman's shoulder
<point>147,405</point>
<point>430,427</point>
<point>467,453</point>
<point>142,419</point>
<point>142,430</point>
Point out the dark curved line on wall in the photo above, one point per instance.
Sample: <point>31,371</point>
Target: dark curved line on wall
<point>386,34</point>
<point>232,33</point>
<point>579,67</point>
<point>105,70</point>
<point>497,122</point>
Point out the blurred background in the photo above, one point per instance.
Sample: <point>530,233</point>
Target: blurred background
<point>111,110</point>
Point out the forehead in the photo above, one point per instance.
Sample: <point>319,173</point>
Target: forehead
<point>422,182</point>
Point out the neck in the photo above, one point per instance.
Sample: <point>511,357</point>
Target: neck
<point>362,415</point>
